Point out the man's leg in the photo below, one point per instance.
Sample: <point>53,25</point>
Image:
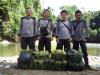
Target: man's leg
<point>31,43</point>
<point>67,45</point>
<point>23,43</point>
<point>85,54</point>
<point>60,44</point>
<point>48,44</point>
<point>76,45</point>
<point>41,44</point>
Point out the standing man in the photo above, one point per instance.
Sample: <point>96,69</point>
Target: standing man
<point>64,32</point>
<point>81,33</point>
<point>45,28</point>
<point>27,30</point>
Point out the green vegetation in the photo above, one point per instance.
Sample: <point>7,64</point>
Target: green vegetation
<point>10,13</point>
<point>12,10</point>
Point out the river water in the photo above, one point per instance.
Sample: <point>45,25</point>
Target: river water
<point>14,49</point>
<point>9,52</point>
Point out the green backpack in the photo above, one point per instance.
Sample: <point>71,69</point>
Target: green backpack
<point>74,60</point>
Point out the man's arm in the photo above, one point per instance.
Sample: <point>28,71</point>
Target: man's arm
<point>20,28</point>
<point>37,27</point>
<point>57,30</point>
<point>87,30</point>
<point>52,27</point>
<point>72,29</point>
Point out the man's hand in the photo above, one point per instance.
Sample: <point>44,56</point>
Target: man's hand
<point>71,40</point>
<point>51,38</point>
<point>19,37</point>
<point>57,39</point>
<point>87,38</point>
<point>84,39</point>
<point>38,38</point>
<point>34,38</point>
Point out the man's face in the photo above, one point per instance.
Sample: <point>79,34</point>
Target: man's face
<point>28,12</point>
<point>78,16</point>
<point>64,16</point>
<point>46,14</point>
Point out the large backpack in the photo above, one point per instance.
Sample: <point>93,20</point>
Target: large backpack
<point>26,60</point>
<point>74,60</point>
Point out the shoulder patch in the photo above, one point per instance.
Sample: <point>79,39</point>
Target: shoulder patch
<point>40,19</point>
<point>33,18</point>
<point>22,18</point>
<point>50,19</point>
<point>84,21</point>
<point>73,21</point>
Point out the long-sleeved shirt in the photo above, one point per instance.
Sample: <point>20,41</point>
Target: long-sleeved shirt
<point>45,23</point>
<point>81,31</point>
<point>27,27</point>
<point>62,32</point>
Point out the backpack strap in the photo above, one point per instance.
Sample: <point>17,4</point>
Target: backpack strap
<point>75,27</point>
<point>50,21</point>
<point>34,24</point>
<point>39,21</point>
<point>66,26</point>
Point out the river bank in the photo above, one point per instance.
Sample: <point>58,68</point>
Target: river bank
<point>94,61</point>
<point>15,71</point>
<point>8,66</point>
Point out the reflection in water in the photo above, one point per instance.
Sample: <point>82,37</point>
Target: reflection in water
<point>9,50</point>
<point>14,49</point>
